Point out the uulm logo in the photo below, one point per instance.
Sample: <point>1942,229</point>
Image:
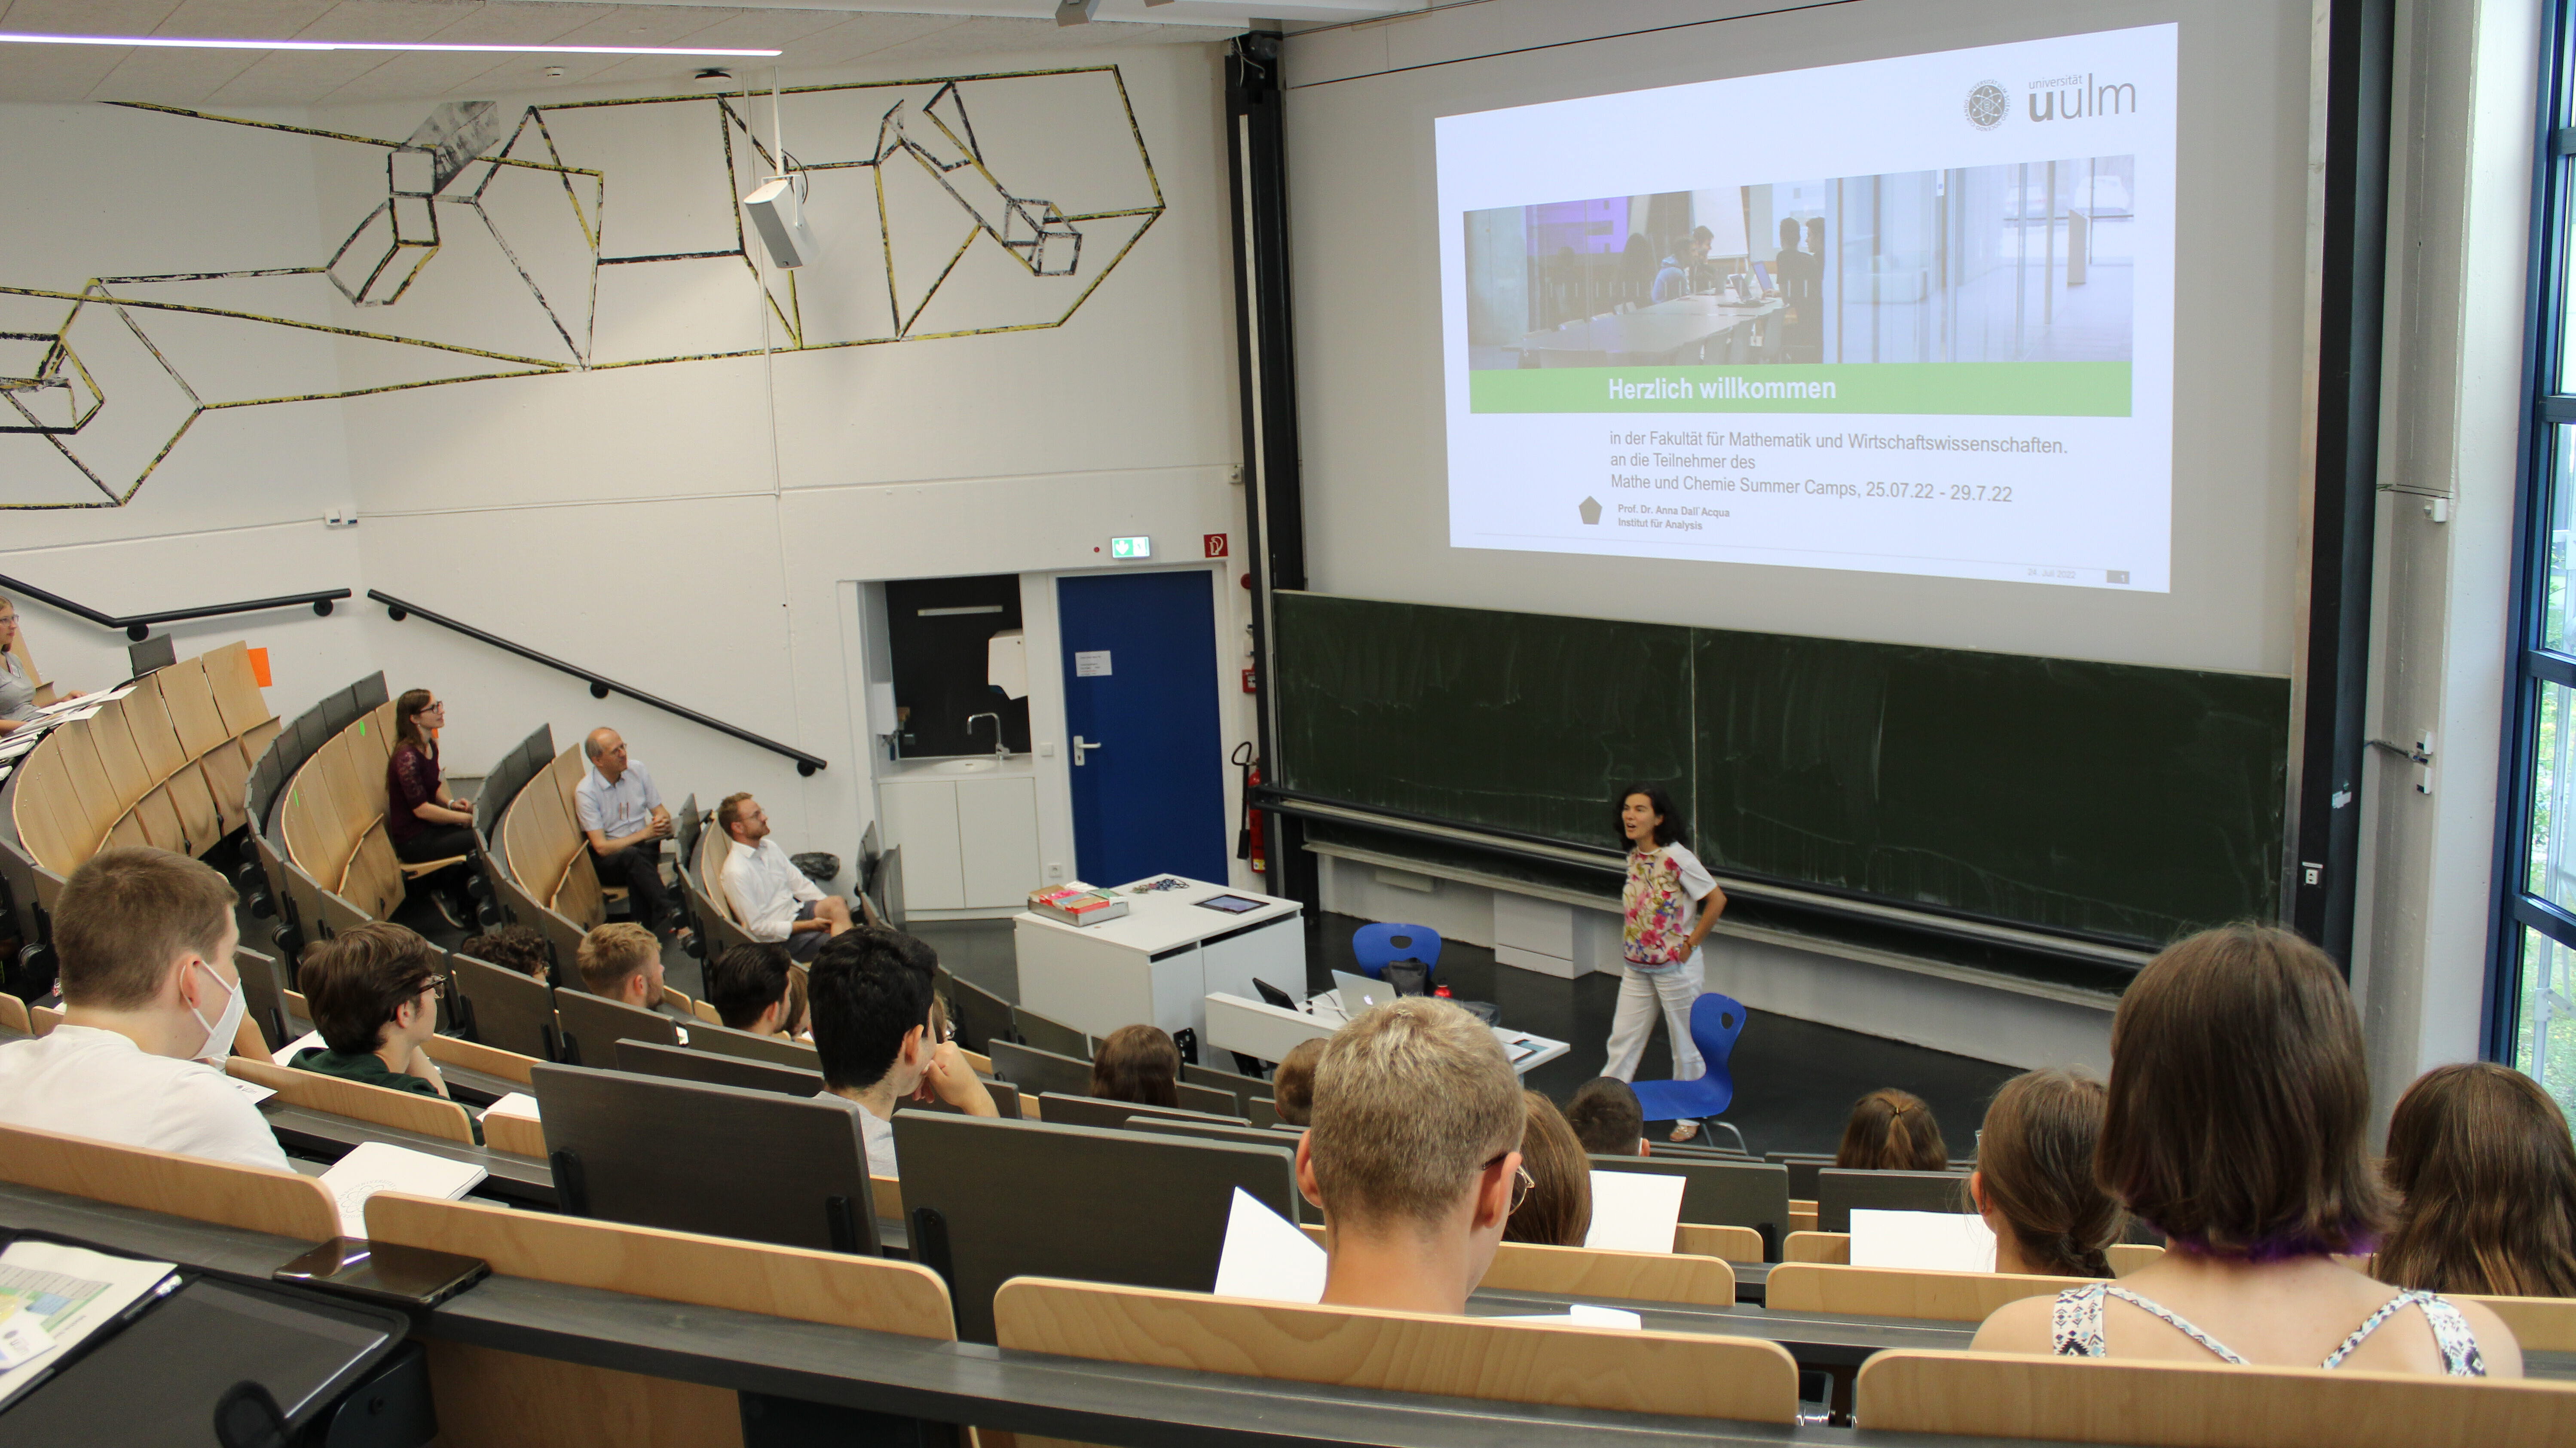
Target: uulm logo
<point>1988,105</point>
<point>2070,98</point>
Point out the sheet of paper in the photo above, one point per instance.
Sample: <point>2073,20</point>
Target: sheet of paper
<point>1582,1314</point>
<point>517,1103</point>
<point>72,1292</point>
<point>1935,1241</point>
<point>1634,1211</point>
<point>285,1055</point>
<point>1267,1256</point>
<point>252,1089</point>
<point>381,1167</point>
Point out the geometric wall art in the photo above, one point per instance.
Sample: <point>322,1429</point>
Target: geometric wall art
<point>487,246</point>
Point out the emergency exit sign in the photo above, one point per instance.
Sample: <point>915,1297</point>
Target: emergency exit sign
<point>1131,547</point>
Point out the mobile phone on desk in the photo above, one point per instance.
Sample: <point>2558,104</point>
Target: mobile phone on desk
<point>383,1272</point>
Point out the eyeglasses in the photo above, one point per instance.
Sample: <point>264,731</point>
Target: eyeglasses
<point>1521,1187</point>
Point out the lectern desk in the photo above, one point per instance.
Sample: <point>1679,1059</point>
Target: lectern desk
<point>1159,961</point>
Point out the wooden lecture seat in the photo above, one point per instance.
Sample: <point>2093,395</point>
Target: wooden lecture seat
<point>508,1065</point>
<point>164,766</point>
<point>1727,1244</point>
<point>2189,1405</point>
<point>2128,1257</point>
<point>1683,1375</point>
<point>1902,1292</point>
<point>487,1396</point>
<point>375,1105</point>
<point>2540,1324</point>
<point>255,1199</point>
<point>1599,1272</point>
<point>1816,1247</point>
<point>41,1020</point>
<point>1802,1214</point>
<point>13,1015</point>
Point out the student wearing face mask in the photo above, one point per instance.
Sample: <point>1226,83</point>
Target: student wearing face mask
<point>150,999</point>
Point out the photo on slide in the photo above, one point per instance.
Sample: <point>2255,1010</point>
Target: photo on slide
<point>2009,263</point>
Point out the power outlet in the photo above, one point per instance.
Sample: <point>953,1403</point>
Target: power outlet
<point>1055,872</point>
<point>340,519</point>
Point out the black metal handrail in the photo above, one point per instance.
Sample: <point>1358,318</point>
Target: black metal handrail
<point>601,686</point>
<point>138,626</point>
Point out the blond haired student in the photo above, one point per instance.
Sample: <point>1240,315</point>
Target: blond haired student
<point>1414,1155</point>
<point>2239,1104</point>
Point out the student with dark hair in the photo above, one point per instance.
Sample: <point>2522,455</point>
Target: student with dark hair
<point>2482,1158</point>
<point>373,990</point>
<point>422,820</point>
<point>2239,1103</point>
<point>871,999</point>
<point>754,988</point>
<point>1414,1156</point>
<point>1557,1212</point>
<point>2034,1179</point>
<point>513,947</point>
<point>1892,1130</point>
<point>151,1000</point>
<point>1606,1118</point>
<point>1140,1064</point>
<point>1292,1086</point>
<point>1670,901</point>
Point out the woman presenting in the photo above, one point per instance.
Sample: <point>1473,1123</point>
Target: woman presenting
<point>1670,901</point>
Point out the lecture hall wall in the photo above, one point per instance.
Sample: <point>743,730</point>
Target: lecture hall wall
<point>697,528</point>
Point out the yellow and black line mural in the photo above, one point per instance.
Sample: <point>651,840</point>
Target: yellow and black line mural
<point>484,247</point>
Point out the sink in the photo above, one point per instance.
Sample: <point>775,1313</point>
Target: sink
<point>959,766</point>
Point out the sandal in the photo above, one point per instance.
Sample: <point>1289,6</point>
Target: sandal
<point>1685,1130</point>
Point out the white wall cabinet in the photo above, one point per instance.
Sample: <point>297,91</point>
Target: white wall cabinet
<point>968,844</point>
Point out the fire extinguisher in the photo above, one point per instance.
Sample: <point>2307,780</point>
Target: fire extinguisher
<point>1247,841</point>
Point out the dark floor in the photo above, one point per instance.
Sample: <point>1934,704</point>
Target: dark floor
<point>1795,1080</point>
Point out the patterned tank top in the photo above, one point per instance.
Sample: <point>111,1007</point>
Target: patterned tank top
<point>2075,1328</point>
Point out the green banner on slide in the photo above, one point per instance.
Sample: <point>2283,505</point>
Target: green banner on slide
<point>1959,389</point>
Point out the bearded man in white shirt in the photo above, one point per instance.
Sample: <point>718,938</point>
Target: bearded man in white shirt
<point>770,896</point>
<point>151,1005</point>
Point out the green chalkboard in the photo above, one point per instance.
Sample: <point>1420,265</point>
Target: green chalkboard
<point>2108,800</point>
<point>1515,722</point>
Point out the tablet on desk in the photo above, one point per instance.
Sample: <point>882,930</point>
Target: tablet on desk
<point>1230,904</point>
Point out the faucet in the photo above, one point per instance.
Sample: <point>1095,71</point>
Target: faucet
<point>1000,751</point>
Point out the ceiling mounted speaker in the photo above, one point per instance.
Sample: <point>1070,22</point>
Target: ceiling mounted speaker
<point>1076,12</point>
<point>778,214</point>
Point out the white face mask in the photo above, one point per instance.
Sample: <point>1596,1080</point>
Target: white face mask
<point>227,1023</point>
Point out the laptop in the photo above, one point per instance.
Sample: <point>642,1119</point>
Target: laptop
<point>1359,993</point>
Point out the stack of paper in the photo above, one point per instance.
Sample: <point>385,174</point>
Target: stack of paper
<point>1634,1211</point>
<point>517,1103</point>
<point>285,1055</point>
<point>379,1167</point>
<point>1937,1241</point>
<point>53,1296</point>
<point>1267,1256</point>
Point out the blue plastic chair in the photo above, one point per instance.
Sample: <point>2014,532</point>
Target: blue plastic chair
<point>1379,946</point>
<point>1715,1021</point>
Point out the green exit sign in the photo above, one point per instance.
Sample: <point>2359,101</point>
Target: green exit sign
<point>1131,547</point>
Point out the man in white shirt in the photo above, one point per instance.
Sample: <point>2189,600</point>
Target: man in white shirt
<point>622,814</point>
<point>770,896</point>
<point>870,999</point>
<point>145,941</point>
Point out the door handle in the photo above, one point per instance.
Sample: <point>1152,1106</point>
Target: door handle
<point>1083,747</point>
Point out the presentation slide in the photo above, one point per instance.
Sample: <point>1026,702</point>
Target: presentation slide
<point>1908,316</point>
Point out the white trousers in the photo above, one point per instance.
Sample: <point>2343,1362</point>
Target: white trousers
<point>1634,1021</point>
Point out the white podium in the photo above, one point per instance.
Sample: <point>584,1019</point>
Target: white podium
<point>1160,961</point>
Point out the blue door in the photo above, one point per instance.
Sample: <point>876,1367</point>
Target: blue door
<point>1140,706</point>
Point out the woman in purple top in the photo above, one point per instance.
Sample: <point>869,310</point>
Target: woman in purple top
<point>421,819</point>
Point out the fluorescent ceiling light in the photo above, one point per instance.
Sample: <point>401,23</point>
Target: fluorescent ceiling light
<point>194,43</point>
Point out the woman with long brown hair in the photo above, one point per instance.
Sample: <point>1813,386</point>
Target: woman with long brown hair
<point>1557,1212</point>
<point>2238,1106</point>
<point>2482,1158</point>
<point>1892,1130</point>
<point>422,821</point>
<point>2034,1178</point>
<point>1140,1064</point>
